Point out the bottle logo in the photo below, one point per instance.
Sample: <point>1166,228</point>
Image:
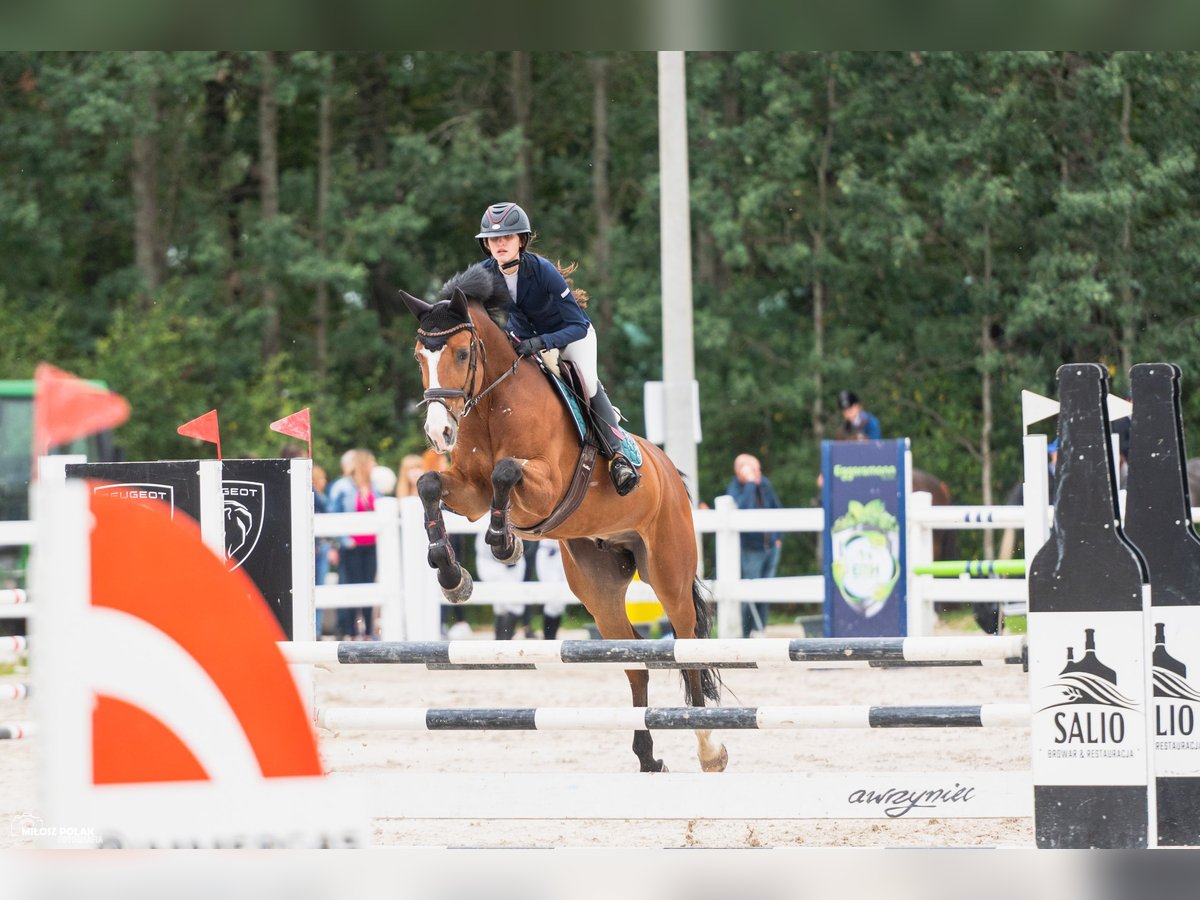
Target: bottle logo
<point>1174,715</point>
<point>1081,686</point>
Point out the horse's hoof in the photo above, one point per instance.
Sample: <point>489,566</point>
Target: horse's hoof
<point>518,550</point>
<point>717,763</point>
<point>461,593</point>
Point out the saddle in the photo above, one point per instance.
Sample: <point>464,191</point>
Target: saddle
<point>569,386</point>
<point>568,383</point>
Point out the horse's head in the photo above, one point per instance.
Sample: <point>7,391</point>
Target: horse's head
<point>448,352</point>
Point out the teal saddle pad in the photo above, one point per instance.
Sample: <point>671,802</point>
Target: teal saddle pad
<point>629,447</point>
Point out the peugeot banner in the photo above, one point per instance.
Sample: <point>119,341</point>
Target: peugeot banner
<point>864,541</point>
<point>257,513</point>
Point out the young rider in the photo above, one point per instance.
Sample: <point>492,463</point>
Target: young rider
<point>546,316</point>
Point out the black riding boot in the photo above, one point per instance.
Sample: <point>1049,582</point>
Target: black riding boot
<point>550,627</point>
<point>624,476</point>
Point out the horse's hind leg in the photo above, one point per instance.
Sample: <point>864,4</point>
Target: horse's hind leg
<point>643,742</point>
<point>505,547</point>
<point>600,577</point>
<point>453,579</point>
<point>674,582</point>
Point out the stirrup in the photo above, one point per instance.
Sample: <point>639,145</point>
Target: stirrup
<point>624,476</point>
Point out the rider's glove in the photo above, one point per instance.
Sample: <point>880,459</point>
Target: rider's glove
<point>530,346</point>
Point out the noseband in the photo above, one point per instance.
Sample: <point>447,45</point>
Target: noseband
<point>468,395</point>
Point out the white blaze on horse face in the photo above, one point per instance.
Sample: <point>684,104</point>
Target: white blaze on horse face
<point>439,427</point>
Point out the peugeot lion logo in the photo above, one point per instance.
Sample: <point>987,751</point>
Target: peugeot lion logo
<point>245,507</point>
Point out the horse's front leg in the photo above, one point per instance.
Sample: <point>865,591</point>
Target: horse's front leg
<point>453,579</point>
<point>505,547</point>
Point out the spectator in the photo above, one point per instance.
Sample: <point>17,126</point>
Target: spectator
<point>383,480</point>
<point>751,489</point>
<point>326,548</point>
<point>550,569</point>
<point>412,467</point>
<point>353,492</point>
<point>488,568</point>
<point>857,423</point>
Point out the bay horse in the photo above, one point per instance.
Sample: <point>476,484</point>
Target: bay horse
<point>514,449</point>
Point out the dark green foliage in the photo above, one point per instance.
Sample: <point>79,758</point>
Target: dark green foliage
<point>961,219</point>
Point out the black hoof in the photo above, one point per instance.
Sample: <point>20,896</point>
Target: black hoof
<point>460,592</point>
<point>514,553</point>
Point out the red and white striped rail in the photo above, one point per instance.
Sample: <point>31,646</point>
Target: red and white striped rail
<point>15,731</point>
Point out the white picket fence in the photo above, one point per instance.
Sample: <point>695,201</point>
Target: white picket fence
<point>410,602</point>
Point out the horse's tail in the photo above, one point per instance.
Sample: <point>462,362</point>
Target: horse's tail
<point>710,679</point>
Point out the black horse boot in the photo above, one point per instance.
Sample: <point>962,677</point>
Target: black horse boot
<point>550,627</point>
<point>624,476</point>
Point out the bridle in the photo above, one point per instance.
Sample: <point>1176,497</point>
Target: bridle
<point>467,394</point>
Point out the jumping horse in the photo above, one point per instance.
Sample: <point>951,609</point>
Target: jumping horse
<point>514,451</point>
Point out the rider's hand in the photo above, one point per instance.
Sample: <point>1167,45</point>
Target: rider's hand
<point>530,346</point>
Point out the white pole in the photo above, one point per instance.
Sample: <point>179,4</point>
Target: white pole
<point>676,235</point>
<point>304,610</point>
<point>212,506</point>
<point>920,550</point>
<point>388,575</point>
<point>1036,496</point>
<point>729,571</point>
<point>422,597</point>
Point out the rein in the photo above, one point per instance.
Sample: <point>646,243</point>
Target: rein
<point>470,397</point>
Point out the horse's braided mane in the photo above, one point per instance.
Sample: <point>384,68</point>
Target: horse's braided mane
<point>481,286</point>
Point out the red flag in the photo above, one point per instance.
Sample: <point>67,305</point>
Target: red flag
<point>296,425</point>
<point>203,428</point>
<point>68,407</point>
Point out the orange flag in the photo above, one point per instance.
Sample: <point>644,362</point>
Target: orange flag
<point>296,425</point>
<point>203,428</point>
<point>68,407</point>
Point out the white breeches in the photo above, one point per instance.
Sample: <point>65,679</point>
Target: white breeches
<point>583,354</point>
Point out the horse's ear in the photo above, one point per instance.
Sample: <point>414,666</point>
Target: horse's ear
<point>415,305</point>
<point>458,305</point>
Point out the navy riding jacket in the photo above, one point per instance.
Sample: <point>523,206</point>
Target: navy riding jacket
<point>545,305</point>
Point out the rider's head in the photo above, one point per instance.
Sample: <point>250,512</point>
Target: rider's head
<point>504,232</point>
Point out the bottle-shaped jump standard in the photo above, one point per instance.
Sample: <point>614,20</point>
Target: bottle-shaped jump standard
<point>1158,520</point>
<point>1089,728</point>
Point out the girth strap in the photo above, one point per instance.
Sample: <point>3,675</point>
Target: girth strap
<point>572,498</point>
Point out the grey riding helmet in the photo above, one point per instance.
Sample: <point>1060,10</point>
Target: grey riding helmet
<point>503,218</point>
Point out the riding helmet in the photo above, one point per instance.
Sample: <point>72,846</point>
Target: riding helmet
<point>846,399</point>
<point>503,218</point>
